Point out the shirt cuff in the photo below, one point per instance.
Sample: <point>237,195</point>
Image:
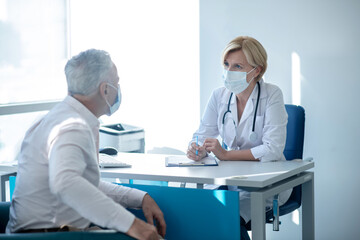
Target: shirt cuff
<point>123,221</point>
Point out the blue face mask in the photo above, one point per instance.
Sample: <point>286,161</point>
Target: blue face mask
<point>117,102</point>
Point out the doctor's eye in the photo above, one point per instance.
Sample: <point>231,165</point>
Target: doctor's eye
<point>238,67</point>
<point>226,64</point>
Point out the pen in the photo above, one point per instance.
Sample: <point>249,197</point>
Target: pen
<point>197,144</point>
<point>191,164</point>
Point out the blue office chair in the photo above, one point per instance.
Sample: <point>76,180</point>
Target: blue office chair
<point>293,150</point>
<point>4,218</point>
<point>195,213</point>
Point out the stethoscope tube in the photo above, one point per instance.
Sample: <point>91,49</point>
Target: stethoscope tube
<point>256,108</point>
<point>253,135</point>
<point>228,109</point>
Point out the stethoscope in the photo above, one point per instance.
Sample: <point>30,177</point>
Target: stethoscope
<point>253,135</point>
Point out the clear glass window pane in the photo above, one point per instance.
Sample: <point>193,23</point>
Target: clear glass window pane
<point>12,132</point>
<point>33,50</point>
<point>155,45</point>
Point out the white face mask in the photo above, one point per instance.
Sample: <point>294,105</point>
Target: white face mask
<point>235,81</point>
<point>117,102</point>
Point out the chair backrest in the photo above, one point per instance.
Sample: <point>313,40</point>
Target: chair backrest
<point>294,150</point>
<point>295,132</point>
<point>196,213</point>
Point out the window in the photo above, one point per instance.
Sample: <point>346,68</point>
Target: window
<point>33,51</point>
<point>153,43</point>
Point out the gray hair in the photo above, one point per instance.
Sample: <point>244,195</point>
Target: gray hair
<point>85,71</point>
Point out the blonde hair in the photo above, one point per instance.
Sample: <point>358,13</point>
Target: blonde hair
<point>253,50</point>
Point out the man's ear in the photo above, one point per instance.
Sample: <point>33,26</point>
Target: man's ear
<point>103,88</point>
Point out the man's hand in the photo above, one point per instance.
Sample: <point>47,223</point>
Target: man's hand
<point>142,230</point>
<point>152,212</point>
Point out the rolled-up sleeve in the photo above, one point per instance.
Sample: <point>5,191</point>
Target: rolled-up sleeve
<point>274,131</point>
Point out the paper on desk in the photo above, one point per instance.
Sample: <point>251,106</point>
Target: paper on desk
<point>184,161</point>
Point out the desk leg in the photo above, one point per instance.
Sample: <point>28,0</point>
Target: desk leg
<point>3,179</point>
<point>257,216</point>
<point>308,216</point>
<point>2,188</point>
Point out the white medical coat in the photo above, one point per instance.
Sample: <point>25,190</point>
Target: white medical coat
<point>270,126</point>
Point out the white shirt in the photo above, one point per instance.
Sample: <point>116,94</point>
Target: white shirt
<point>270,126</point>
<point>58,179</point>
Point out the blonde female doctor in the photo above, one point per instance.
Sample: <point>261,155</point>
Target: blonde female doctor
<point>248,114</point>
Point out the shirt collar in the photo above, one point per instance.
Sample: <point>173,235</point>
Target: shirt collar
<point>89,117</point>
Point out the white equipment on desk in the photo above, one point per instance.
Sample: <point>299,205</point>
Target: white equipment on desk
<point>122,137</point>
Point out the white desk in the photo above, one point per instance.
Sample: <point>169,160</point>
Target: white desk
<point>263,180</point>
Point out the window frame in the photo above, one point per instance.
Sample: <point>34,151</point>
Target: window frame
<point>26,107</point>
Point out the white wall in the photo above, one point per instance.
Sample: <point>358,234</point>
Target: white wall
<point>326,36</point>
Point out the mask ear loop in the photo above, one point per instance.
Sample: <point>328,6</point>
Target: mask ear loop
<point>106,94</point>
<point>253,135</point>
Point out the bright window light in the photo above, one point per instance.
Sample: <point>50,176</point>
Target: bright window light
<point>220,195</point>
<point>33,50</point>
<point>155,45</point>
<point>3,13</point>
<point>296,78</point>
<point>295,217</point>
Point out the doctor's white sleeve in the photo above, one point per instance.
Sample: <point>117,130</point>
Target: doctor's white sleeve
<point>274,131</point>
<point>208,126</point>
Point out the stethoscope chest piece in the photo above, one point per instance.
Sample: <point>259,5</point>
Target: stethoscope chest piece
<point>253,136</point>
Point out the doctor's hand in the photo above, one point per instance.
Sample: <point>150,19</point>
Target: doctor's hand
<point>191,152</point>
<point>213,145</point>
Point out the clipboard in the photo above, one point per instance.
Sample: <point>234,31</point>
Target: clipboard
<point>184,161</point>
